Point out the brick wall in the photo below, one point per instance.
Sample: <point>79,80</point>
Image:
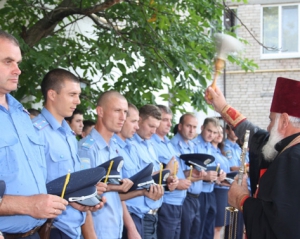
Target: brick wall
<point>251,93</point>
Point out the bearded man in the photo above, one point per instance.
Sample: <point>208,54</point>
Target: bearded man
<point>273,210</point>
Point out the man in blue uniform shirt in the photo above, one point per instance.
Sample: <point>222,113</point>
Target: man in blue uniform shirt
<point>61,91</point>
<point>183,144</point>
<point>169,215</point>
<point>97,148</point>
<point>208,209</point>
<point>22,158</point>
<point>140,201</point>
<point>149,120</point>
<point>233,153</point>
<point>232,150</point>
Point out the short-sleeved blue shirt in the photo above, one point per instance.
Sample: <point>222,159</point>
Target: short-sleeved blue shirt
<point>146,154</point>
<point>205,148</point>
<point>138,205</point>
<point>61,158</point>
<point>182,147</point>
<point>22,162</point>
<point>232,152</point>
<point>165,151</point>
<point>222,161</point>
<point>108,221</point>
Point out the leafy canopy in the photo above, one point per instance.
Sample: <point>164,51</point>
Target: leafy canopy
<point>137,47</point>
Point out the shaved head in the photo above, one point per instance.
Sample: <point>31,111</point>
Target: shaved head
<point>107,96</point>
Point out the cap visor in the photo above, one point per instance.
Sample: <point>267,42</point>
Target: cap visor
<point>146,186</point>
<point>114,181</point>
<point>198,168</point>
<point>93,201</point>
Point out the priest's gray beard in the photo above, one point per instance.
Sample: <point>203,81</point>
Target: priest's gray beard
<point>269,150</point>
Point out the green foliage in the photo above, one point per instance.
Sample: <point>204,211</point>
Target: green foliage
<point>158,45</point>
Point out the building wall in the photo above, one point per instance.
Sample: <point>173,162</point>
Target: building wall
<point>251,93</point>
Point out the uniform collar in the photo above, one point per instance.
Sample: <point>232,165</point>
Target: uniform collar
<point>122,144</point>
<point>54,123</point>
<point>231,144</point>
<point>180,141</point>
<point>99,140</point>
<point>156,138</point>
<point>200,140</point>
<point>13,104</point>
<point>138,138</point>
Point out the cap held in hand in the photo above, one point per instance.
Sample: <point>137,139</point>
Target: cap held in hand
<point>163,180</point>
<point>142,179</point>
<point>198,161</point>
<point>81,187</point>
<point>114,176</point>
<point>230,176</point>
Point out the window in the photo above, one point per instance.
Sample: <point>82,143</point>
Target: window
<point>229,19</point>
<point>280,29</point>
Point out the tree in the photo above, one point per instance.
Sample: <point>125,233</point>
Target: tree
<point>153,43</point>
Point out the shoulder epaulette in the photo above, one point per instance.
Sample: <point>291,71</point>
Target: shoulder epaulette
<point>40,124</point>
<point>88,142</point>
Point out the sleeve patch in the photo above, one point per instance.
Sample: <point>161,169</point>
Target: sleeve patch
<point>228,154</point>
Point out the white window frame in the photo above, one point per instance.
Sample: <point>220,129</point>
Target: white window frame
<point>280,55</point>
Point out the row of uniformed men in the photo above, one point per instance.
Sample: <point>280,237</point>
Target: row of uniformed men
<point>32,156</point>
<point>140,137</point>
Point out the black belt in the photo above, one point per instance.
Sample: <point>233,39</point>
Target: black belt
<point>193,195</point>
<point>21,235</point>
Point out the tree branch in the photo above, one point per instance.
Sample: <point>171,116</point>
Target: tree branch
<point>45,26</point>
<point>227,8</point>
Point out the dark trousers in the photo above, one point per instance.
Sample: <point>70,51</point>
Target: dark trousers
<point>138,224</point>
<point>34,236</point>
<point>208,211</point>
<point>58,234</point>
<point>169,221</point>
<point>190,219</point>
<point>150,226</point>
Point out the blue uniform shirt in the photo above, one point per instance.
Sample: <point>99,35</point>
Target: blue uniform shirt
<point>61,158</point>
<point>182,147</point>
<point>165,152</point>
<point>222,161</point>
<point>232,152</point>
<point>146,154</point>
<point>22,162</point>
<point>131,162</point>
<point>138,205</point>
<point>203,147</point>
<point>108,221</point>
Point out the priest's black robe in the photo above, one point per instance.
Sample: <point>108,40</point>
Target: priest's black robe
<point>275,213</point>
